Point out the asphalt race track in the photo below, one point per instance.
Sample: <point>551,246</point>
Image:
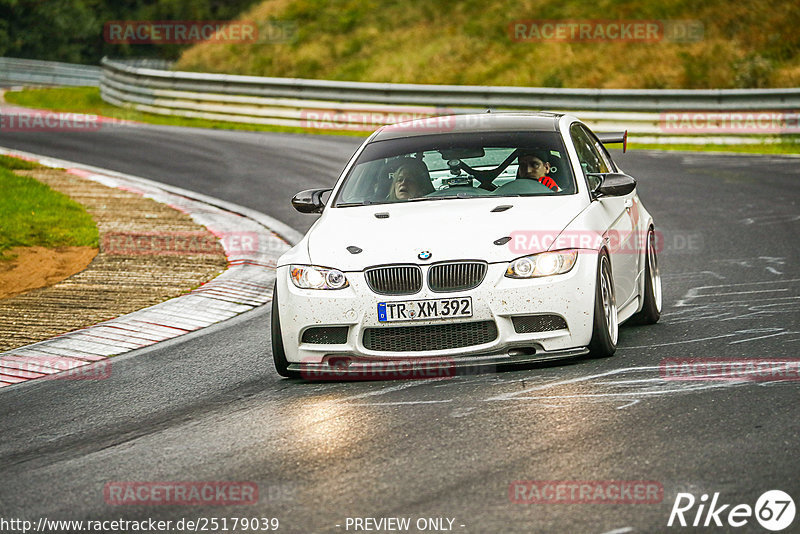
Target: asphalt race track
<point>209,406</point>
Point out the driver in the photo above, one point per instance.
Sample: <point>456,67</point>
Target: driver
<point>534,165</point>
<point>410,180</point>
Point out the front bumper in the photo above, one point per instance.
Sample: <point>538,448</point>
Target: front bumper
<point>497,299</point>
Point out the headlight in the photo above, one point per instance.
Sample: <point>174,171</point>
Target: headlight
<point>312,277</point>
<point>543,264</point>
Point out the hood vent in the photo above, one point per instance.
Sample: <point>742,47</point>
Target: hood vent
<point>382,215</point>
<point>502,207</point>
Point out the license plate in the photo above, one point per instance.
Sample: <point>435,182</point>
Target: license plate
<point>424,310</point>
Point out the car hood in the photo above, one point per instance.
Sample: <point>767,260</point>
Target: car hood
<point>447,229</point>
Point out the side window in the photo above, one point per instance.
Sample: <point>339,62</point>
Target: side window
<point>606,157</point>
<point>590,158</point>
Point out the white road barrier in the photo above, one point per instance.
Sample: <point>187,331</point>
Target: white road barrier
<point>718,116</point>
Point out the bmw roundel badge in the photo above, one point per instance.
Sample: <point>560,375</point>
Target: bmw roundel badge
<point>424,255</point>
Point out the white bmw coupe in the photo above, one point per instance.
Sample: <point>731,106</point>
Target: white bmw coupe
<point>467,241</point>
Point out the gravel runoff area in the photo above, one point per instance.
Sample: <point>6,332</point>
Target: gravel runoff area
<point>132,271</point>
<point>252,243</point>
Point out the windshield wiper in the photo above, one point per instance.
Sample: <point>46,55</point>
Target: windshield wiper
<point>457,195</point>
<point>418,199</point>
<point>351,204</point>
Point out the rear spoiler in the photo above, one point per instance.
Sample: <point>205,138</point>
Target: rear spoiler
<point>614,137</point>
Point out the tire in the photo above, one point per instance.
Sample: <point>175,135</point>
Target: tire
<point>651,307</point>
<point>278,354</point>
<point>605,329</point>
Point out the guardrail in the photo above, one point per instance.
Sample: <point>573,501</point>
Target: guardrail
<point>35,72</point>
<point>455,95</point>
<point>365,106</point>
<point>147,85</point>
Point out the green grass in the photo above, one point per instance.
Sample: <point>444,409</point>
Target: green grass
<point>12,163</point>
<point>87,100</point>
<point>473,42</point>
<point>32,214</point>
<point>766,148</point>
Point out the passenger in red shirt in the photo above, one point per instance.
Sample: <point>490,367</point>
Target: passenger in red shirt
<point>534,165</point>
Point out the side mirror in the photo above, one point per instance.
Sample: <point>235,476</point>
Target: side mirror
<point>309,201</point>
<point>614,184</point>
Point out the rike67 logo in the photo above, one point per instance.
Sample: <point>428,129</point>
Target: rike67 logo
<point>774,510</point>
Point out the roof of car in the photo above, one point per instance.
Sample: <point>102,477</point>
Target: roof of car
<point>475,122</point>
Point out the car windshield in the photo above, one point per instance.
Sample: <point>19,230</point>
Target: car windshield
<point>477,164</point>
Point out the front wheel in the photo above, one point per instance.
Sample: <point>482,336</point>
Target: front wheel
<point>605,328</point>
<point>278,354</point>
<point>651,307</point>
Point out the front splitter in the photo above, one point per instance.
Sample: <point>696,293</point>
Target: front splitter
<point>399,368</point>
